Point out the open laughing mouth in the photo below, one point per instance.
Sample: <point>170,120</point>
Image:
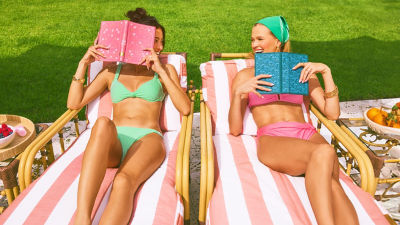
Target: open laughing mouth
<point>258,50</point>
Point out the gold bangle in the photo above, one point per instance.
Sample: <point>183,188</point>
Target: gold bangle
<point>79,80</point>
<point>333,93</point>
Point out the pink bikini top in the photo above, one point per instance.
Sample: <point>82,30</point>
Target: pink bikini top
<point>254,100</point>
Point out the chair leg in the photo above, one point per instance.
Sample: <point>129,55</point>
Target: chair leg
<point>60,135</point>
<point>76,121</point>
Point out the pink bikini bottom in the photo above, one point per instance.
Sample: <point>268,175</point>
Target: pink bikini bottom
<point>288,129</point>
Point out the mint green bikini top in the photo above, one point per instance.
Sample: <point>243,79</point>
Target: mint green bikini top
<point>150,91</point>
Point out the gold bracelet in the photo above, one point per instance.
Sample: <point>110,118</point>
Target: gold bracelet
<point>79,80</point>
<point>333,93</point>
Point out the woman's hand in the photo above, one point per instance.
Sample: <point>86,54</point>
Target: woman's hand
<point>309,69</point>
<point>92,54</point>
<point>152,61</point>
<point>254,83</point>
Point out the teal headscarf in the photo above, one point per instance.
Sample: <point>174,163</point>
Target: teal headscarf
<point>278,26</point>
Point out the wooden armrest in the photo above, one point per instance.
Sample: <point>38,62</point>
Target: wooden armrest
<point>207,160</point>
<point>25,165</point>
<point>216,55</point>
<point>368,183</point>
<point>182,160</point>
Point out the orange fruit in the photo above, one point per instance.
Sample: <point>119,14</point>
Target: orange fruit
<point>380,118</point>
<point>373,112</point>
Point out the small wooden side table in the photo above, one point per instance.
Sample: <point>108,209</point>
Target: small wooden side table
<point>9,155</point>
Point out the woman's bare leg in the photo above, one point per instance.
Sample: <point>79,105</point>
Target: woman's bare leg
<point>343,209</point>
<point>279,154</point>
<point>103,150</point>
<point>142,159</point>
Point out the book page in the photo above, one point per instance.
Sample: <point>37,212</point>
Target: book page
<point>110,35</point>
<point>139,37</point>
<point>269,63</point>
<point>292,59</point>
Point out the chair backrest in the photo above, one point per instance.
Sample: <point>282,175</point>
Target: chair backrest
<point>217,77</point>
<point>170,119</point>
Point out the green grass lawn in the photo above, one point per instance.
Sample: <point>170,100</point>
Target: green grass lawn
<point>42,41</point>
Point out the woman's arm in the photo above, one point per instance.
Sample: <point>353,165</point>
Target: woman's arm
<point>78,95</point>
<point>171,83</point>
<point>243,83</point>
<point>170,80</point>
<point>328,105</point>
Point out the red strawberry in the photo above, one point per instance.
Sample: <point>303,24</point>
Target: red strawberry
<point>3,125</point>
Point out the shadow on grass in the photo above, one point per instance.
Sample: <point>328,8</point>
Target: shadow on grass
<point>363,68</point>
<point>36,83</point>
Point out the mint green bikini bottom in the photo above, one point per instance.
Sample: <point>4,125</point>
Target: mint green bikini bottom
<point>129,135</point>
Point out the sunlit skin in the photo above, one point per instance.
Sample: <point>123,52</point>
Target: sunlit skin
<point>104,149</point>
<point>314,157</point>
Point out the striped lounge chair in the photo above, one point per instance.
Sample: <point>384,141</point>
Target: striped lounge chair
<point>51,199</point>
<point>237,188</point>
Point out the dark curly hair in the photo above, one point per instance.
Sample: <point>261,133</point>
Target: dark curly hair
<point>140,16</point>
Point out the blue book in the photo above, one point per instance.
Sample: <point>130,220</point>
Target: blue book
<point>284,78</point>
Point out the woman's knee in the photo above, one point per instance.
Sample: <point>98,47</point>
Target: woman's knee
<point>103,122</point>
<point>103,134</point>
<point>103,126</point>
<point>323,153</point>
<point>124,181</point>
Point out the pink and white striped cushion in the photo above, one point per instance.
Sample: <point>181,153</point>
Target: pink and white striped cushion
<point>248,192</point>
<point>51,199</point>
<point>170,119</point>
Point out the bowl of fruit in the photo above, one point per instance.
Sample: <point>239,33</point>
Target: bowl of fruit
<point>7,134</point>
<point>384,122</point>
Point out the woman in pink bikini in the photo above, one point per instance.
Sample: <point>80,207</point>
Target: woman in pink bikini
<point>286,142</point>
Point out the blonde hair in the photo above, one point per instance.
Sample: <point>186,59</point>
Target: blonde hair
<point>286,47</point>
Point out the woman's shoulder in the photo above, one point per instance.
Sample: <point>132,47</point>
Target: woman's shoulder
<point>245,73</point>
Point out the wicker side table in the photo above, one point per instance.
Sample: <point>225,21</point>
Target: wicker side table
<point>8,174</point>
<point>9,160</point>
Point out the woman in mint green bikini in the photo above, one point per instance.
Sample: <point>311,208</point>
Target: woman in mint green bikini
<point>132,140</point>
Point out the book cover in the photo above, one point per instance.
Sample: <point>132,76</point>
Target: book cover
<point>284,78</point>
<point>126,41</point>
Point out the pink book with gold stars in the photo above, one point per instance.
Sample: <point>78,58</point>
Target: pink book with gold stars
<point>126,41</point>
